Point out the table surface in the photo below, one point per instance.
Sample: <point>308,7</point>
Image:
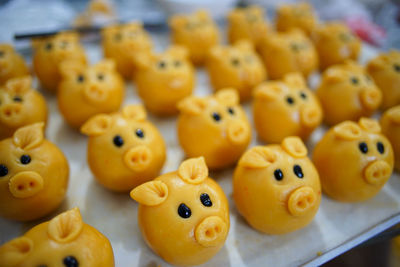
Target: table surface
<point>336,228</point>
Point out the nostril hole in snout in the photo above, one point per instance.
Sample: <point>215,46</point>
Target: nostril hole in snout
<point>31,184</point>
<point>20,187</point>
<point>209,233</point>
<point>217,229</point>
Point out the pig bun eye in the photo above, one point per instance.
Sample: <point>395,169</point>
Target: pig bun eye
<point>177,63</point>
<point>216,116</point>
<point>70,261</point>
<point>100,76</point>
<point>118,141</point>
<point>184,211</point>
<point>1,53</point>
<point>205,200</point>
<point>48,46</point>
<point>80,78</point>
<point>278,174</point>
<point>298,171</point>
<point>290,100</point>
<point>139,133</point>
<point>303,95</point>
<point>3,170</point>
<point>161,64</point>
<point>363,147</point>
<point>117,37</point>
<point>25,159</point>
<point>396,67</point>
<point>380,147</point>
<point>235,62</point>
<point>354,80</point>
<point>17,99</point>
<point>231,111</point>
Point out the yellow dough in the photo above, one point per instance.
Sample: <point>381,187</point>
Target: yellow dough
<point>125,149</point>
<point>49,52</point>
<point>390,123</point>
<point>276,188</point>
<point>85,91</point>
<point>347,92</point>
<point>33,175</point>
<point>197,32</point>
<point>385,71</point>
<point>285,108</point>
<point>164,79</point>
<point>335,43</point>
<point>64,241</point>
<point>354,160</point>
<point>12,64</point>
<point>122,42</point>
<point>20,105</point>
<point>183,215</point>
<point>300,15</point>
<point>237,66</point>
<point>215,127</point>
<point>287,52</point>
<point>247,23</point>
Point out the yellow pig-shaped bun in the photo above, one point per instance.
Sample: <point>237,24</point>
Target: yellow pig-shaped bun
<point>12,64</point>
<point>183,215</point>
<point>300,15</point>
<point>385,71</point>
<point>64,241</point>
<point>197,32</point>
<point>215,127</point>
<point>125,149</point>
<point>164,79</point>
<point>20,105</point>
<point>354,160</point>
<point>276,188</point>
<point>285,108</point>
<point>287,52</point>
<point>85,91</point>
<point>122,42</point>
<point>335,43</point>
<point>390,123</point>
<point>33,175</point>
<point>237,66</point>
<point>49,52</point>
<point>247,23</point>
<point>347,92</point>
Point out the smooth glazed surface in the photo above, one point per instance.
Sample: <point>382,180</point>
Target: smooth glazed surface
<point>215,127</point>
<point>64,241</point>
<point>347,92</point>
<point>183,215</point>
<point>276,188</point>
<point>12,65</point>
<point>285,108</point>
<point>390,123</point>
<point>125,149</point>
<point>33,175</point>
<point>354,160</point>
<point>20,105</point>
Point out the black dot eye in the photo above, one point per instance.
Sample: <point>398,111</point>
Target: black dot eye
<point>139,133</point>
<point>48,46</point>
<point>184,211</point>
<point>1,53</point>
<point>25,159</point>
<point>354,80</point>
<point>380,147</point>
<point>80,78</point>
<point>17,99</point>
<point>118,141</point>
<point>278,174</point>
<point>290,100</point>
<point>205,200</point>
<point>363,147</point>
<point>396,67</point>
<point>216,116</point>
<point>298,171</point>
<point>100,76</point>
<point>117,37</point>
<point>3,170</point>
<point>303,95</point>
<point>177,63</point>
<point>235,62</point>
<point>162,65</point>
<point>70,261</point>
<point>295,47</point>
<point>231,111</point>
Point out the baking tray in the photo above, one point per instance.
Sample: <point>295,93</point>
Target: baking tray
<point>336,228</point>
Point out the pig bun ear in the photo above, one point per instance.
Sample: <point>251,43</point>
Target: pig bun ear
<point>193,171</point>
<point>151,193</point>
<point>106,65</point>
<point>369,125</point>
<point>235,15</point>
<point>19,85</point>
<point>269,91</point>
<point>295,79</point>
<point>178,51</point>
<point>394,115</point>
<point>143,60</point>
<point>333,75</point>
<point>347,130</point>
<point>96,125</point>
<point>227,96</point>
<point>177,22</point>
<point>203,14</point>
<point>216,52</point>
<point>377,63</point>
<point>65,227</point>
<point>15,251</point>
<point>294,146</point>
<point>257,157</point>
<point>71,68</point>
<point>192,105</point>
<point>244,45</point>
<point>29,136</point>
<point>134,112</point>
<point>109,31</point>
